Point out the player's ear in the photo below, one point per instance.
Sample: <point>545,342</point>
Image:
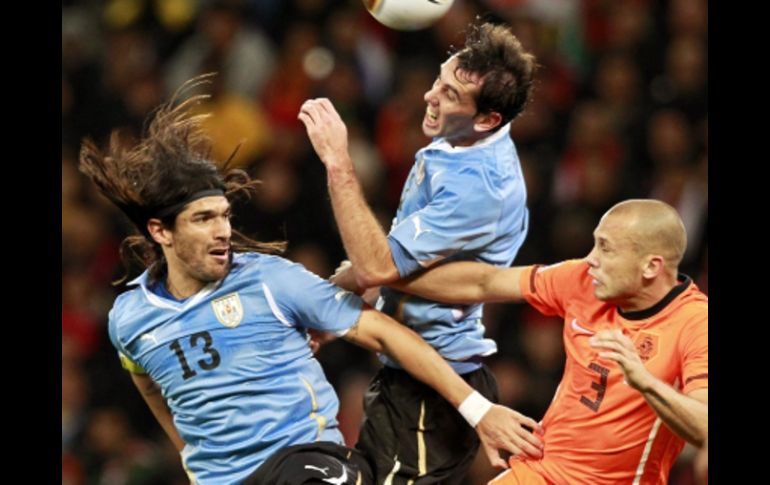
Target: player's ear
<point>654,265</point>
<point>487,121</point>
<point>159,233</point>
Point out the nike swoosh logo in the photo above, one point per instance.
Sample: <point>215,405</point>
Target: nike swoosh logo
<point>339,480</point>
<point>578,329</point>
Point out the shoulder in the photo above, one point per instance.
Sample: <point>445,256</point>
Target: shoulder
<point>693,308</point>
<point>123,311</point>
<point>126,300</point>
<point>273,270</point>
<point>568,279</point>
<point>247,263</point>
<point>575,269</point>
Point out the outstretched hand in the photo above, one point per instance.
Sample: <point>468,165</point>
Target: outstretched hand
<point>327,132</point>
<point>613,345</point>
<point>502,428</point>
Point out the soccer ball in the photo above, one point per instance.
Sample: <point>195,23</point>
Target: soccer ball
<point>407,14</point>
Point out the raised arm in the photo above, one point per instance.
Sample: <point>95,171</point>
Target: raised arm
<point>363,238</point>
<point>465,282</point>
<point>152,396</point>
<point>498,427</point>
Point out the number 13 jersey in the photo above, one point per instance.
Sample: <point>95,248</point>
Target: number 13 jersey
<point>233,362</point>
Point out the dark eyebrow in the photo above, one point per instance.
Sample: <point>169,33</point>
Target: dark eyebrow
<point>210,212</point>
<point>202,213</point>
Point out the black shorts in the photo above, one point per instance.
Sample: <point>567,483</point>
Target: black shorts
<point>411,433</point>
<point>313,463</point>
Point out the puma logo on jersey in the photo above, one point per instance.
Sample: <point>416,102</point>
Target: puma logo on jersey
<point>417,229</point>
<point>340,295</point>
<point>335,481</point>
<point>340,479</point>
<point>578,329</point>
<point>322,470</point>
<point>149,336</point>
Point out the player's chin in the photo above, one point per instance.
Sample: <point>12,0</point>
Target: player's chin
<point>431,130</point>
<point>217,271</point>
<point>601,293</point>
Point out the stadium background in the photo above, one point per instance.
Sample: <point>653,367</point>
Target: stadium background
<point>620,110</point>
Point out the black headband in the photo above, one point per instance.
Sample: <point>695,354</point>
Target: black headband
<point>173,209</point>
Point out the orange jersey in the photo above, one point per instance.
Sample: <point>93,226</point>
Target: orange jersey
<point>599,430</point>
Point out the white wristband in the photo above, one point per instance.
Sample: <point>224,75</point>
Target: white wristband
<point>474,407</point>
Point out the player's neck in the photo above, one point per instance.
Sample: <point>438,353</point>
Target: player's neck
<point>650,294</point>
<point>467,140</point>
<point>182,287</point>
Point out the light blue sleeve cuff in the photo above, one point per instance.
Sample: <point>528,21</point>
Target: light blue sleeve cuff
<point>405,262</point>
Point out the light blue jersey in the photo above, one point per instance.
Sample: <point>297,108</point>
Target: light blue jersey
<point>233,361</point>
<point>459,203</point>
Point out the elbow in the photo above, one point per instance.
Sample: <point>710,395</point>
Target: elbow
<point>702,436</point>
<point>702,432</point>
<point>698,431</point>
<point>697,439</point>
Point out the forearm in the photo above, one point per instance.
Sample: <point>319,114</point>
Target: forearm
<point>154,399</point>
<point>685,415</point>
<point>166,421</point>
<point>497,427</point>
<point>364,240</point>
<point>425,364</point>
<point>464,282</point>
<point>380,333</point>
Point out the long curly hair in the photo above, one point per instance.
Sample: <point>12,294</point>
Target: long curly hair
<point>168,165</point>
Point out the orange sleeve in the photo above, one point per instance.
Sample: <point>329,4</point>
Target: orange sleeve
<point>695,353</point>
<point>548,288</point>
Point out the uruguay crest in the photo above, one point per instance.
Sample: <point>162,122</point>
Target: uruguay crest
<point>228,310</point>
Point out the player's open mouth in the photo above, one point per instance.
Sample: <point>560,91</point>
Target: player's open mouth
<point>220,254</point>
<point>431,119</point>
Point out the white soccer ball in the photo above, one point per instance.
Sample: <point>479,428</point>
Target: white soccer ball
<point>407,14</point>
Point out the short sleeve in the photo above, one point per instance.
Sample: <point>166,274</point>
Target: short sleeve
<point>125,361</point>
<point>301,298</point>
<point>462,215</point>
<point>548,288</point>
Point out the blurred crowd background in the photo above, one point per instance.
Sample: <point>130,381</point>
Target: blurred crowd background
<point>619,110</point>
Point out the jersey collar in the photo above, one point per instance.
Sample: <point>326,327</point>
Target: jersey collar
<point>684,282</point>
<point>143,279</point>
<point>443,145</point>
